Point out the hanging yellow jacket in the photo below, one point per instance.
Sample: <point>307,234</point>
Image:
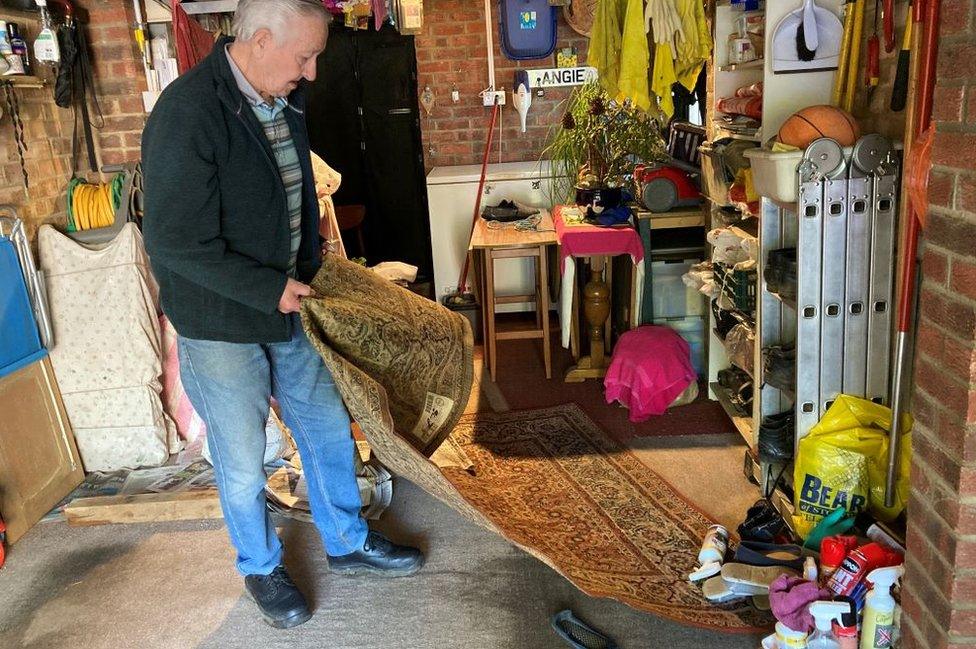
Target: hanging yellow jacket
<point>634,58</point>
<point>684,65</point>
<point>605,43</point>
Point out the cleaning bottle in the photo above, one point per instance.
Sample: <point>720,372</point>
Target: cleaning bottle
<point>846,628</point>
<point>859,563</point>
<point>877,627</point>
<point>824,613</point>
<point>46,44</point>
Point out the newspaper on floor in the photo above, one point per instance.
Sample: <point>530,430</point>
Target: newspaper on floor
<point>198,475</point>
<point>288,492</point>
<point>95,484</point>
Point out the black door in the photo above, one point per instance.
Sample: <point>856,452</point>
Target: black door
<point>363,119</point>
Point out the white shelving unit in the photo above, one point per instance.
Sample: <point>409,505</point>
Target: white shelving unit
<point>783,94</point>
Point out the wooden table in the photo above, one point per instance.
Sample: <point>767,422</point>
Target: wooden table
<point>597,244</point>
<point>490,244</point>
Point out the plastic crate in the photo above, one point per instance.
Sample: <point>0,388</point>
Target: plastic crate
<point>693,331</point>
<point>672,298</point>
<point>738,285</point>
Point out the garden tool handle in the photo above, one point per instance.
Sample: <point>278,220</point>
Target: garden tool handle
<point>899,91</point>
<point>889,24</point>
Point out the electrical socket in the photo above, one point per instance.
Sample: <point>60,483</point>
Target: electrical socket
<point>489,98</point>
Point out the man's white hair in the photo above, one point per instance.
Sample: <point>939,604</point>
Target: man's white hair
<point>274,15</point>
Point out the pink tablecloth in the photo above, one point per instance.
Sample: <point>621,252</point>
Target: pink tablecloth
<point>588,240</point>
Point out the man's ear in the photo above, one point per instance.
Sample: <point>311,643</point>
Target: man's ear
<point>263,40</point>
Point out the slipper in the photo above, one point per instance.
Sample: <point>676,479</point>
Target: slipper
<point>706,570</point>
<point>757,553</point>
<point>718,590</point>
<point>759,577</point>
<point>577,634</point>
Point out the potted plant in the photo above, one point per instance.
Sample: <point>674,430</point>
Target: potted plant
<point>596,145</point>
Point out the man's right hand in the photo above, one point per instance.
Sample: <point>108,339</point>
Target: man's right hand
<point>291,298</point>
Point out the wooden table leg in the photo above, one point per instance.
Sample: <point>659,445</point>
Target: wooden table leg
<point>544,310</point>
<point>490,312</point>
<point>596,308</point>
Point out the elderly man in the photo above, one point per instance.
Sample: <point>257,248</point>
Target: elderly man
<point>231,228</point>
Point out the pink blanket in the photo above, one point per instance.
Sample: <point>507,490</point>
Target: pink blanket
<point>650,367</point>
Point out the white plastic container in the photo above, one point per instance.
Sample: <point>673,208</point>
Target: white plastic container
<point>672,297</point>
<point>774,174</point>
<point>693,331</point>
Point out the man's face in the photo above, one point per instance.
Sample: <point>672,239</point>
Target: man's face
<point>280,64</point>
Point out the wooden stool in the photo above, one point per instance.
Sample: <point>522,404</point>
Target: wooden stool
<point>509,243</point>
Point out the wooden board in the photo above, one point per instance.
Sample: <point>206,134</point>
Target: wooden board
<point>144,508</point>
<point>39,461</point>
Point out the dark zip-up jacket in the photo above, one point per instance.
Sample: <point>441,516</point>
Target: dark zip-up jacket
<point>216,217</point>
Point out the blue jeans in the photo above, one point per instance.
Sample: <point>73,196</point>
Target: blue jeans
<point>230,385</point>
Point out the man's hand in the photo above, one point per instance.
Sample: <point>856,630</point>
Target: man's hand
<point>291,299</point>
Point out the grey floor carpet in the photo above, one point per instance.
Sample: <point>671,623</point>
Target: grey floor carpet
<point>173,586</point>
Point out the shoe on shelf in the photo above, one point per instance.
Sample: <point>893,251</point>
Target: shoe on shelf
<point>379,556</point>
<point>281,604</point>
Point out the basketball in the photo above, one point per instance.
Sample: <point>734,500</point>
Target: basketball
<point>805,126</point>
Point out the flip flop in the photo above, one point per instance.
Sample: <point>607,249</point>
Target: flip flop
<point>758,553</point>
<point>577,634</point>
<point>759,577</point>
<point>718,590</point>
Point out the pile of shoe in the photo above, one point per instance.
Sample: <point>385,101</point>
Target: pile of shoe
<point>776,437</point>
<point>763,554</point>
<point>780,274</point>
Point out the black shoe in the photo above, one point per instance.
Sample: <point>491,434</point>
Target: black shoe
<point>379,556</point>
<point>281,603</point>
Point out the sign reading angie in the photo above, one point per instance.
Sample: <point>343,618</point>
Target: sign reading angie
<point>551,77</point>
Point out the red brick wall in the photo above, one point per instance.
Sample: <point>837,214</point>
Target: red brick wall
<point>451,50</point>
<point>940,585</point>
<point>48,129</point>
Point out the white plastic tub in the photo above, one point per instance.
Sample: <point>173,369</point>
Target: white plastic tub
<point>774,174</point>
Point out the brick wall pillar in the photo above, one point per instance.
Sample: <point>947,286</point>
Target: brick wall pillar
<point>939,594</point>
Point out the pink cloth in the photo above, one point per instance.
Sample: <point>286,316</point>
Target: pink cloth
<point>650,367</point>
<point>790,598</point>
<point>189,426</point>
<point>588,240</point>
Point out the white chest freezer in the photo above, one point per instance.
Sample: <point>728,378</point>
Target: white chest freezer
<point>451,194</point>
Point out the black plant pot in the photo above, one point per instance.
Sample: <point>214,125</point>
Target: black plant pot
<point>602,197</point>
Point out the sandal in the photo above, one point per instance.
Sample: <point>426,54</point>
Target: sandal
<point>577,634</point>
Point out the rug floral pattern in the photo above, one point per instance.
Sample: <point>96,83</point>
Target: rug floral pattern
<point>547,480</point>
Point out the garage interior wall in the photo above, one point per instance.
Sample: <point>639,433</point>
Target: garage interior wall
<point>451,50</point>
<point>119,80</point>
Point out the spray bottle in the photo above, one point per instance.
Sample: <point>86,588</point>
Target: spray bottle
<point>877,627</point>
<point>824,613</point>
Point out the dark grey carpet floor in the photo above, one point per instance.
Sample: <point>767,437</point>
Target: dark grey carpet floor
<point>173,586</point>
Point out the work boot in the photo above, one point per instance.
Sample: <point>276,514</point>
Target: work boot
<point>281,603</point>
<point>379,556</point>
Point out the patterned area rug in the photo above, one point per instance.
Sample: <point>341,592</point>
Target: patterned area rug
<point>548,480</point>
<point>554,484</point>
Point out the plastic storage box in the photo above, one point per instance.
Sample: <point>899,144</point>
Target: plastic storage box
<point>693,331</point>
<point>774,174</point>
<point>672,297</point>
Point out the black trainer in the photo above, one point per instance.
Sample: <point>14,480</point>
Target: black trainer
<point>281,603</point>
<point>379,556</point>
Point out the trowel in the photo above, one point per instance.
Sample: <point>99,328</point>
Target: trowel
<point>522,95</point>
